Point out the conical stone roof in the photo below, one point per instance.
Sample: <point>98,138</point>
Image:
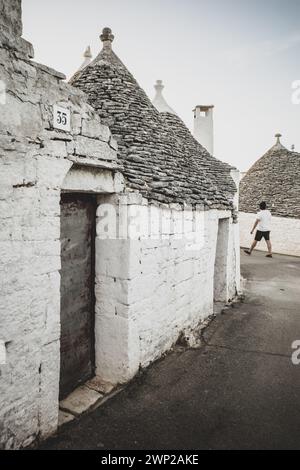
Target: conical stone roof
<point>157,154</point>
<point>274,178</point>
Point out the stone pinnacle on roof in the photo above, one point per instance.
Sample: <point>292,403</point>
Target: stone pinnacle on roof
<point>88,53</point>
<point>278,144</point>
<point>107,37</point>
<point>87,58</point>
<point>159,101</point>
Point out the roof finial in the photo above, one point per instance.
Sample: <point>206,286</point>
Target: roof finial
<point>293,147</point>
<point>278,138</point>
<point>107,37</point>
<point>159,86</point>
<point>88,53</point>
<point>159,102</point>
<point>87,58</point>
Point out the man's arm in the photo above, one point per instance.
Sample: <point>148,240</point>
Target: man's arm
<point>255,225</point>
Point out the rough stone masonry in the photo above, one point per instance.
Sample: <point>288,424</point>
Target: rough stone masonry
<point>35,158</point>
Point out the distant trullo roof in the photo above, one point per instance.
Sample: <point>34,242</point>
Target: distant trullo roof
<point>156,152</point>
<point>274,178</point>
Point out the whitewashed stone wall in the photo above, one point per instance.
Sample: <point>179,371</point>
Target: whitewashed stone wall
<point>159,288</point>
<point>34,160</point>
<point>285,234</point>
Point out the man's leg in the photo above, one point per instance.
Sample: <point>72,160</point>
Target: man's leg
<point>248,252</point>
<point>269,245</point>
<point>253,245</point>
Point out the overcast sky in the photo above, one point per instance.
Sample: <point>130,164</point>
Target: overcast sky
<point>240,55</point>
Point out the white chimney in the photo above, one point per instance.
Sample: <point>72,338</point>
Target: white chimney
<point>204,126</point>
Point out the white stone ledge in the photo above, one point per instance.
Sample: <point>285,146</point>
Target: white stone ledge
<point>93,180</point>
<point>93,162</point>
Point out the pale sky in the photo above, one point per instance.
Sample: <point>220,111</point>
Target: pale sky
<point>240,55</point>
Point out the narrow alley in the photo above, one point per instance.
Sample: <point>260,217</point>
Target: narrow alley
<point>239,390</point>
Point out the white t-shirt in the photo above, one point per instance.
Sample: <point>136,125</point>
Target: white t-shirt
<point>264,217</point>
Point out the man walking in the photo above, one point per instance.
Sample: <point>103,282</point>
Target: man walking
<point>263,224</point>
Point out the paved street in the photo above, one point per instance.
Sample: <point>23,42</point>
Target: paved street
<point>239,390</point>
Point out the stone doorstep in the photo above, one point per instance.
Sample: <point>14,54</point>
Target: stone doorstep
<point>64,417</point>
<point>99,386</point>
<point>85,398</point>
<point>80,401</point>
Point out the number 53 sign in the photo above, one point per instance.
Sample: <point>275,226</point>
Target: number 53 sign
<point>61,118</point>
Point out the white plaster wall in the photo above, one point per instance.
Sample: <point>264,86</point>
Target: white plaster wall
<point>234,262</point>
<point>234,265</point>
<point>285,234</point>
<point>221,262</point>
<point>159,287</point>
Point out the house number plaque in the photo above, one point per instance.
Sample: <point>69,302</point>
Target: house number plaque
<point>61,118</point>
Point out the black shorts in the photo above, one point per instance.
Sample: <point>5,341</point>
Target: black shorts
<point>259,235</point>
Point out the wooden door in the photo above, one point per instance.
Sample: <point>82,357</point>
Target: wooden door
<point>78,215</point>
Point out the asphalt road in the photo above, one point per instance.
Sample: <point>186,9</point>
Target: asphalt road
<point>239,390</point>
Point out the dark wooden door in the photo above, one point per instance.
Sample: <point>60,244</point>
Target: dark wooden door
<point>78,215</point>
